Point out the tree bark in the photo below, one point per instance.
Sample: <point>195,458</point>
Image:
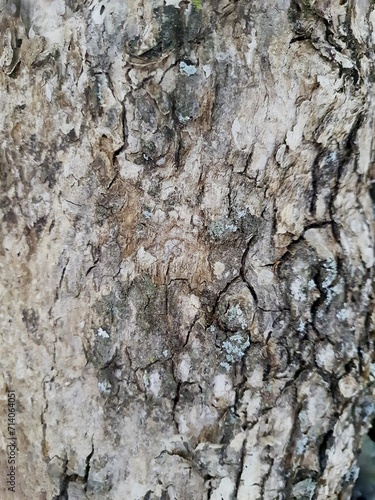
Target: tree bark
<point>187,247</point>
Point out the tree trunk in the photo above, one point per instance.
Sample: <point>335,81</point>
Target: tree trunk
<point>187,247</point>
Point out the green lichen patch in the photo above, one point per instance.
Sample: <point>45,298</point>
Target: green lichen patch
<point>304,490</point>
<point>235,315</point>
<point>242,224</point>
<point>234,349</point>
<point>197,4</point>
<point>219,229</point>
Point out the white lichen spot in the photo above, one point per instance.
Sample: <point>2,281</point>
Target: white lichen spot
<point>235,347</point>
<point>332,157</point>
<point>166,353</point>
<point>311,285</point>
<point>183,119</point>
<point>102,333</point>
<point>235,313</point>
<point>232,228</point>
<point>331,292</point>
<point>218,228</point>
<point>304,489</point>
<point>301,445</point>
<point>369,408</point>
<point>241,213</point>
<point>188,69</point>
<point>342,315</point>
<point>104,387</point>
<point>331,272</point>
<point>297,290</point>
<point>352,475</point>
<point>225,365</point>
<point>301,327</point>
<point>147,214</point>
<point>160,162</point>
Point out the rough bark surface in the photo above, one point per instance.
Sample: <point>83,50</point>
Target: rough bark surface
<point>187,246</point>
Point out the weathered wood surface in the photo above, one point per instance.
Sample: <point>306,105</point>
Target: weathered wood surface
<point>187,246</point>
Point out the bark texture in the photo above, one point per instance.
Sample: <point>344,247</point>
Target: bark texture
<point>187,246</point>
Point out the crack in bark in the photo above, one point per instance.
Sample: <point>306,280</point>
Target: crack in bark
<point>124,145</point>
<point>243,271</point>
<point>176,398</point>
<point>66,478</point>
<point>57,294</point>
<point>324,448</point>
<point>43,422</point>
<point>240,468</point>
<point>266,476</point>
<point>88,466</point>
